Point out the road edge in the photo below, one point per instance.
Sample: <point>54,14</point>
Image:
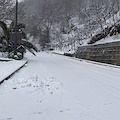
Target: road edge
<point>6,78</point>
<point>89,61</point>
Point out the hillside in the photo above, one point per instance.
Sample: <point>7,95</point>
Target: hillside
<point>76,37</point>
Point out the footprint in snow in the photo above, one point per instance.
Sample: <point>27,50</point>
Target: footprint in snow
<point>64,110</point>
<point>107,103</point>
<point>7,119</point>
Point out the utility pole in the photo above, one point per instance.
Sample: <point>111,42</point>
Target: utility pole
<point>16,28</point>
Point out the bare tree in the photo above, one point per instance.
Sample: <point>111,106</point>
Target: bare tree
<point>5,9</point>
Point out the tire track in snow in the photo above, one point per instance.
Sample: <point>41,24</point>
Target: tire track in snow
<point>108,91</point>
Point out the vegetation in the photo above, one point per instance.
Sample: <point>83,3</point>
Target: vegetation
<point>51,20</point>
<point>21,47</point>
<point>64,23</point>
<point>109,31</point>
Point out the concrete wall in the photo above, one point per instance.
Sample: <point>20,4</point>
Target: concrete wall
<point>106,53</point>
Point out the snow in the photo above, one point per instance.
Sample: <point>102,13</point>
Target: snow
<point>54,87</point>
<point>8,67</point>
<point>109,22</point>
<point>60,52</point>
<point>109,39</point>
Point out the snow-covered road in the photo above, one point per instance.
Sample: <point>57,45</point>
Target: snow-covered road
<point>54,87</point>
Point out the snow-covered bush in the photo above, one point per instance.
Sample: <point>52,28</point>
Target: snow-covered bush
<point>18,56</point>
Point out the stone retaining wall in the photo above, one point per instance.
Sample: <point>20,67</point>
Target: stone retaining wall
<point>105,53</point>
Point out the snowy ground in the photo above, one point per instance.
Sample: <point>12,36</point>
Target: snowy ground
<point>54,87</point>
<point>109,39</point>
<point>8,66</point>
